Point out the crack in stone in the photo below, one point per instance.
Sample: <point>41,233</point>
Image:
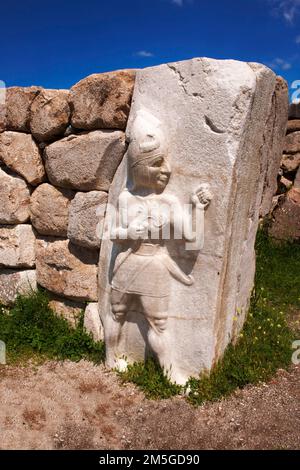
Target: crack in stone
<point>59,267</point>
<point>180,76</point>
<point>184,81</point>
<point>212,126</point>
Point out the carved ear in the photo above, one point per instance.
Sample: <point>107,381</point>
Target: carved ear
<point>149,145</point>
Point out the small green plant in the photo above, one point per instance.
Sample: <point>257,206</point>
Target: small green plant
<point>150,378</point>
<point>263,346</point>
<point>31,329</point>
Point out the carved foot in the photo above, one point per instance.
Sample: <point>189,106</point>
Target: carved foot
<point>121,365</point>
<point>177,378</point>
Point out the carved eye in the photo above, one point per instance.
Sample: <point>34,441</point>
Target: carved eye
<point>157,163</point>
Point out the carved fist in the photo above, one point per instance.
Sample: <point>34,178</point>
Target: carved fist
<point>202,196</point>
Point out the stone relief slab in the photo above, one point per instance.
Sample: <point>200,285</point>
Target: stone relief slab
<point>178,264</point>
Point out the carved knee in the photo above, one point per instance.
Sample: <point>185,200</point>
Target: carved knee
<point>118,311</point>
<point>160,324</point>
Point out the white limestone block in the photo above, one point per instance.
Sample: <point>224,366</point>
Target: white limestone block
<point>17,246</point>
<point>207,121</point>
<point>13,282</point>
<point>92,322</point>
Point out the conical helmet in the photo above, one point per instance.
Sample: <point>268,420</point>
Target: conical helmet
<point>146,139</point>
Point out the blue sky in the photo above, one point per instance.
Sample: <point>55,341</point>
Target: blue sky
<point>56,43</point>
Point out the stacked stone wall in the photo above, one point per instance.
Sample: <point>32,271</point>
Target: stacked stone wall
<point>59,150</point>
<point>285,216</point>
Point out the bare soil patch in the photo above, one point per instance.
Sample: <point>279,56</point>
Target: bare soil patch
<point>67,405</point>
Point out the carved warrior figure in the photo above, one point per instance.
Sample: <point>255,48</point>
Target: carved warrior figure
<point>148,214</point>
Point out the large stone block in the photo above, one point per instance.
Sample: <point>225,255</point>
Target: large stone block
<point>294,111</point>
<point>290,162</point>
<point>66,269</point>
<point>292,143</point>
<point>17,246</point>
<point>70,310</point>
<point>18,104</point>
<point>286,217</point>
<point>14,199</point>
<point>275,130</point>
<point>85,162</point>
<point>196,130</point>
<point>49,210</point>
<point>14,282</point>
<point>102,101</point>
<point>293,126</point>
<point>297,179</point>
<point>92,322</point>
<point>20,153</point>
<point>50,114</point>
<point>87,212</point>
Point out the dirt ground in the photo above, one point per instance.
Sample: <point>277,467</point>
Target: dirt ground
<point>82,406</point>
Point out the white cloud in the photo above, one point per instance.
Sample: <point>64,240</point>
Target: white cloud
<point>288,9</point>
<point>144,54</point>
<point>280,64</point>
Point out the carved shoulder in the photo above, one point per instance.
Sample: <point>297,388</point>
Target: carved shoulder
<point>124,198</point>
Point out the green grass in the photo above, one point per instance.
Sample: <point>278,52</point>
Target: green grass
<point>31,329</point>
<point>150,378</point>
<point>263,346</point>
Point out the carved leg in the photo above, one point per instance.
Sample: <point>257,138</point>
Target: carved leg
<point>113,326</point>
<point>156,312</point>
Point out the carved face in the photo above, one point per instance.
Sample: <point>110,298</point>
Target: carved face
<point>153,173</point>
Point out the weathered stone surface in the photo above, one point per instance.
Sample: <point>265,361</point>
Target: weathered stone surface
<point>102,101</point>
<point>14,282</point>
<point>20,153</point>
<point>85,162</point>
<point>18,104</point>
<point>92,322</point>
<point>274,135</point>
<point>285,184</point>
<point>50,114</point>
<point>2,108</point>
<point>286,217</point>
<point>293,126</point>
<point>17,246</point>
<point>14,199</point>
<point>297,179</point>
<point>292,143</point>
<point>66,269</point>
<point>2,117</point>
<point>68,309</point>
<point>87,212</point>
<point>49,210</point>
<point>294,111</point>
<point>214,116</point>
<point>275,202</point>
<point>290,162</point>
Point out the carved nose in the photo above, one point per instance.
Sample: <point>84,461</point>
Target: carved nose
<point>165,169</point>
